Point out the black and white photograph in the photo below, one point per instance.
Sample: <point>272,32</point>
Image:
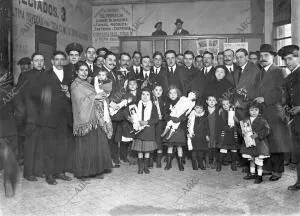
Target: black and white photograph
<point>149,107</point>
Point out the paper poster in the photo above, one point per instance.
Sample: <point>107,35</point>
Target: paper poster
<point>236,46</point>
<point>110,22</point>
<point>211,45</point>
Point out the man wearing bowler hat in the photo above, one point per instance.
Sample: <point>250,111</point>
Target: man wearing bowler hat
<point>290,55</point>
<point>73,51</point>
<point>159,31</point>
<point>270,83</point>
<point>179,30</point>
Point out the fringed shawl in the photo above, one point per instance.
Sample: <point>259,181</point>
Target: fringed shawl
<point>84,108</point>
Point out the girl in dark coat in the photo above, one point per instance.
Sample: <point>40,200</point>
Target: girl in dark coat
<point>227,138</point>
<point>145,141</point>
<point>178,139</point>
<point>198,136</point>
<point>160,104</point>
<point>256,154</point>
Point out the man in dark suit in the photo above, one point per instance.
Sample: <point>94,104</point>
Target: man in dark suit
<point>54,121</point>
<point>30,105</point>
<point>147,76</point>
<point>246,79</point>
<point>270,93</point>
<point>179,30</point>
<point>290,55</point>
<point>90,55</point>
<point>136,63</point>
<point>159,71</point>
<point>176,74</point>
<point>208,70</point>
<point>159,31</point>
<point>188,63</point>
<point>73,51</point>
<point>232,67</point>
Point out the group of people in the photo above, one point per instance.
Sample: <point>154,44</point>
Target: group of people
<point>179,30</point>
<point>87,117</point>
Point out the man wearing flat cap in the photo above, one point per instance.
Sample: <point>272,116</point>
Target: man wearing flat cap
<point>270,84</point>
<point>179,30</point>
<point>73,51</point>
<point>159,31</point>
<point>290,55</point>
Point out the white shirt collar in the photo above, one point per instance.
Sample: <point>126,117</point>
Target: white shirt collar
<point>146,73</point>
<point>138,68</point>
<point>156,69</point>
<point>229,67</point>
<point>173,67</point>
<point>243,67</point>
<point>296,68</point>
<point>208,68</point>
<point>267,67</point>
<point>59,73</point>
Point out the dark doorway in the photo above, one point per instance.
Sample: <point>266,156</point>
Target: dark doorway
<point>45,43</point>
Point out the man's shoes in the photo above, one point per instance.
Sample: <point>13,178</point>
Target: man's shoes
<point>31,178</point>
<point>258,180</point>
<point>50,180</point>
<point>274,178</point>
<point>63,176</point>
<point>250,176</point>
<point>294,187</point>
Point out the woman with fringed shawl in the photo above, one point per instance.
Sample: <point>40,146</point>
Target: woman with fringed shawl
<point>91,127</point>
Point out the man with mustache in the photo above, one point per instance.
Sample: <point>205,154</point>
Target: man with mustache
<point>232,67</point>
<point>110,62</point>
<point>270,82</point>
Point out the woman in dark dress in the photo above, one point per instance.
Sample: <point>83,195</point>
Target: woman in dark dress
<point>92,154</point>
<point>219,85</point>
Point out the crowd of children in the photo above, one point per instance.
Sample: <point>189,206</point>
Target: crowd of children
<point>206,128</point>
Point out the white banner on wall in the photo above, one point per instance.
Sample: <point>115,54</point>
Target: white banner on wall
<point>109,22</point>
<point>236,46</point>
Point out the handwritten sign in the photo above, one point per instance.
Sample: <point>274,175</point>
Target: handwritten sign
<point>236,46</point>
<point>109,22</point>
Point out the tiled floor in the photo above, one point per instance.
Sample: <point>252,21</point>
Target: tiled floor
<point>124,192</point>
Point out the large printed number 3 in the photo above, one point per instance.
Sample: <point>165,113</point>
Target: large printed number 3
<point>63,14</point>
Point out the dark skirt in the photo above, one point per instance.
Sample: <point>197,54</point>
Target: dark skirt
<point>229,141</point>
<point>261,148</point>
<point>143,146</point>
<point>178,139</point>
<point>92,154</point>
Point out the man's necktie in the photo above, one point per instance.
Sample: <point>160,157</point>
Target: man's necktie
<point>205,71</point>
<point>156,71</point>
<point>171,70</point>
<point>230,70</point>
<point>263,73</point>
